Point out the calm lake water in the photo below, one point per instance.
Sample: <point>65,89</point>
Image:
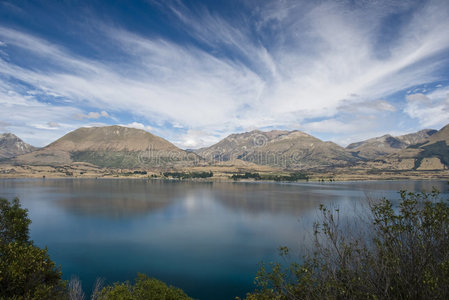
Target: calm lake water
<point>206,238</point>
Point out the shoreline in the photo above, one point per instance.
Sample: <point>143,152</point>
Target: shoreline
<point>314,178</point>
<point>220,173</point>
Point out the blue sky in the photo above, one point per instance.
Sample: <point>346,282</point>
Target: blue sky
<point>195,71</point>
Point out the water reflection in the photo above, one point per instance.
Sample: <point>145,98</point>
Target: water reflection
<point>119,198</point>
<point>261,198</point>
<point>206,238</point>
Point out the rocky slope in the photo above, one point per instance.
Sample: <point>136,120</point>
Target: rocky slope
<point>377,147</point>
<point>110,146</point>
<point>11,146</point>
<point>432,154</point>
<point>285,149</point>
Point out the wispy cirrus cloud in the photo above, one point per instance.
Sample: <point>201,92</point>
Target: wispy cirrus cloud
<point>286,65</point>
<point>33,120</point>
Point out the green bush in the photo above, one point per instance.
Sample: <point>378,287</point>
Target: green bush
<point>14,222</point>
<point>403,254</point>
<point>144,288</point>
<point>26,271</point>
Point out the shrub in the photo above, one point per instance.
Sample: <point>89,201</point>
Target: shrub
<point>26,271</point>
<point>404,254</point>
<point>144,288</point>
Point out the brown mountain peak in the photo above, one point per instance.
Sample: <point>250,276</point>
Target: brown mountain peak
<point>11,146</point>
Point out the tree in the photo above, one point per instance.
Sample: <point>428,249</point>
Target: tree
<point>26,271</point>
<point>403,254</point>
<point>14,222</point>
<point>144,288</point>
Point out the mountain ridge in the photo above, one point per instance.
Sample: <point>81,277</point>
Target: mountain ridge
<point>289,149</point>
<point>109,146</point>
<point>377,147</point>
<point>431,154</point>
<point>123,147</point>
<point>12,146</point>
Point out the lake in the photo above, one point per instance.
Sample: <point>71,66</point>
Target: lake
<point>206,238</point>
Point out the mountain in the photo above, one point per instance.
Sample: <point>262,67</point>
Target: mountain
<point>435,152</point>
<point>380,146</point>
<point>11,146</point>
<point>109,146</point>
<point>441,135</point>
<point>235,146</point>
<point>432,154</point>
<point>286,149</point>
<point>129,148</point>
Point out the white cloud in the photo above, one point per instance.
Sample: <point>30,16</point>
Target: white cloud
<point>46,126</point>
<point>346,125</point>
<point>177,125</point>
<point>33,121</point>
<point>93,115</point>
<point>322,55</point>
<point>419,97</point>
<point>138,125</point>
<point>329,125</point>
<point>194,139</point>
<point>4,126</point>
<point>366,107</point>
<point>53,125</point>
<point>431,110</point>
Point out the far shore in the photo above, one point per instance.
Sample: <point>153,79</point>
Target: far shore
<point>220,173</point>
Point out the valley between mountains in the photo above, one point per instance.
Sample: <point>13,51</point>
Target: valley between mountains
<point>116,151</point>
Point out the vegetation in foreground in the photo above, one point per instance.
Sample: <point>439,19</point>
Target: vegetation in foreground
<point>402,254</point>
<point>26,271</point>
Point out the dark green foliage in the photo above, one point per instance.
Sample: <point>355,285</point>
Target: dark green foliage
<point>134,173</point>
<point>144,288</point>
<point>108,159</point>
<point>257,176</point>
<point>131,159</point>
<point>183,175</point>
<point>247,175</point>
<point>14,222</point>
<point>404,254</point>
<point>26,271</point>
<point>291,177</point>
<point>140,172</point>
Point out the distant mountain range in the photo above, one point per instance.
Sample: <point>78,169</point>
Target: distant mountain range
<point>123,147</point>
<point>380,146</point>
<point>430,154</point>
<point>11,146</point>
<point>286,149</point>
